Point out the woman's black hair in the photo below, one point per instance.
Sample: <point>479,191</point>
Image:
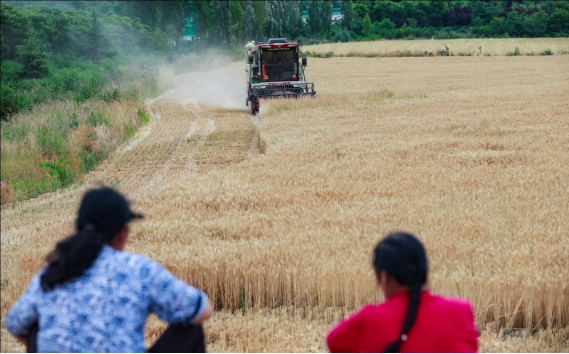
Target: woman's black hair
<point>403,257</point>
<point>102,214</point>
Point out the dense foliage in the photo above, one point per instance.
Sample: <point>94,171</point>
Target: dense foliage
<point>459,19</point>
<point>369,20</point>
<point>55,50</point>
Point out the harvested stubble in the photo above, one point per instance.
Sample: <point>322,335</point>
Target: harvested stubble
<point>471,46</point>
<point>471,154</point>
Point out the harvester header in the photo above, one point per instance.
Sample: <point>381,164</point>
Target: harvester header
<point>274,70</point>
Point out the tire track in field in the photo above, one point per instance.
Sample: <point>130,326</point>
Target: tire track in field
<point>181,140</point>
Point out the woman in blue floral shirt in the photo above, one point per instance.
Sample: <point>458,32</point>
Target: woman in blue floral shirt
<point>94,297</point>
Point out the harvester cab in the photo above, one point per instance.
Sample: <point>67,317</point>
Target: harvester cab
<point>275,71</point>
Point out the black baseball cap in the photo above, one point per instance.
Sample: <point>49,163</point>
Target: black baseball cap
<point>106,210</point>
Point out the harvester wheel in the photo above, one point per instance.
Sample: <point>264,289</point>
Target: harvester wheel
<point>254,105</point>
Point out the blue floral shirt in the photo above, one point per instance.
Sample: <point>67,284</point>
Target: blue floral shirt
<point>105,310</point>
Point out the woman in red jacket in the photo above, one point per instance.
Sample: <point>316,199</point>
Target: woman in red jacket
<point>412,319</point>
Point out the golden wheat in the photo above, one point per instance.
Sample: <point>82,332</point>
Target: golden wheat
<point>470,46</point>
<point>469,153</point>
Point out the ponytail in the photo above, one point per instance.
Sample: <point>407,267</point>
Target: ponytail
<point>414,299</point>
<point>102,214</point>
<point>71,258</point>
<point>403,257</point>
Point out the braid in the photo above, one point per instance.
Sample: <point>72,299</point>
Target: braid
<point>414,299</point>
<point>403,257</point>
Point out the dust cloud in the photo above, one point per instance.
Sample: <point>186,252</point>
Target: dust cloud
<point>222,86</point>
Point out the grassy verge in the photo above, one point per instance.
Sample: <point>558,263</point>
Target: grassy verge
<point>52,145</point>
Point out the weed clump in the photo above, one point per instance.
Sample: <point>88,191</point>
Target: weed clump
<point>444,52</point>
<point>515,53</point>
<point>329,54</point>
<point>7,193</point>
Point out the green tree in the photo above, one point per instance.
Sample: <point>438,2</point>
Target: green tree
<point>537,24</point>
<point>98,45</point>
<point>159,40</point>
<point>34,61</point>
<point>15,28</point>
<point>126,32</point>
<point>360,10</point>
<point>516,24</point>
<point>276,18</point>
<point>315,17</point>
<point>260,12</point>
<point>155,13</point>
<point>561,5</point>
<point>436,11</point>
<point>205,21</point>
<point>346,7</point>
<point>384,28</point>
<point>173,33</point>
<point>294,23</point>
<point>223,16</point>
<point>11,101</point>
<point>236,20</point>
<point>248,20</point>
<point>558,21</point>
<point>326,13</point>
<point>366,26</point>
<point>498,26</point>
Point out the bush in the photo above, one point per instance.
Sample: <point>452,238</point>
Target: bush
<point>89,160</point>
<point>10,71</point>
<point>559,21</point>
<point>343,36</point>
<point>444,53</point>
<point>51,145</point>
<point>516,52</point>
<point>144,118</point>
<point>96,119</point>
<point>11,101</point>
<point>87,90</point>
<point>546,52</point>
<point>61,170</point>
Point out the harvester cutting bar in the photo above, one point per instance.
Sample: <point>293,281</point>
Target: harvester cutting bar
<point>286,91</point>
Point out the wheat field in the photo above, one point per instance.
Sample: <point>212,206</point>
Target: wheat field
<point>275,216</point>
<point>470,46</point>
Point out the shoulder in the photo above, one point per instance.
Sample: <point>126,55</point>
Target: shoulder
<point>458,309</point>
<point>136,265</point>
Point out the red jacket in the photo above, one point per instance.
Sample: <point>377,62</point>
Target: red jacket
<point>442,325</point>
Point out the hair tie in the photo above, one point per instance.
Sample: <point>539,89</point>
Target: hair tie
<point>403,337</point>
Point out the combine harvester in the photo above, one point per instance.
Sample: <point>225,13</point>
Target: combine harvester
<point>274,71</point>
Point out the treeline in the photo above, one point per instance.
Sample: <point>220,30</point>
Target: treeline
<point>226,23</point>
<point>458,19</point>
